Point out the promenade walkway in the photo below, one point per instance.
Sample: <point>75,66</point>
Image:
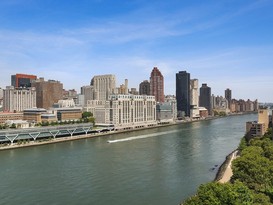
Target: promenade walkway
<point>228,172</point>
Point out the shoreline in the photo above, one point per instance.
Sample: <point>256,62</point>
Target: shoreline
<point>224,172</point>
<point>86,136</point>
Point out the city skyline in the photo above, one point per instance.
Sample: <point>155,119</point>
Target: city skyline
<point>225,44</point>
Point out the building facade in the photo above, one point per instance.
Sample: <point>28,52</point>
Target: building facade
<point>205,98</point>
<point>157,85</point>
<point>18,99</point>
<point>48,92</point>
<point>67,114</point>
<point>22,80</point>
<point>123,88</point>
<point>4,116</point>
<point>183,93</point>
<point>263,117</point>
<point>219,104</point>
<point>33,115</point>
<point>258,128</point>
<point>125,111</point>
<point>194,99</point>
<point>88,92</point>
<point>144,88</point>
<point>104,85</point>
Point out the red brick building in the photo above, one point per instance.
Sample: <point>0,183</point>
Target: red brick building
<point>157,85</point>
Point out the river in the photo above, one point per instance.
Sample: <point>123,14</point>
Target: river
<point>155,166</point>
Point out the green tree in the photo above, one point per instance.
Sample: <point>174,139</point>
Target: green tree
<point>215,193</point>
<point>86,115</point>
<point>13,126</point>
<point>253,169</point>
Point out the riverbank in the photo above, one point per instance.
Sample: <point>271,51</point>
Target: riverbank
<point>224,172</point>
<point>79,137</point>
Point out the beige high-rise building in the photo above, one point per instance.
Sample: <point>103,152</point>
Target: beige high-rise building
<point>263,117</point>
<point>104,85</point>
<point>194,97</point>
<point>48,92</point>
<point>18,99</point>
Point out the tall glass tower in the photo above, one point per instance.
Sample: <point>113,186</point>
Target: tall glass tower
<point>205,97</point>
<point>183,93</point>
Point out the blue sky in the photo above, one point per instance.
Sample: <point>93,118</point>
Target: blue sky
<point>226,44</point>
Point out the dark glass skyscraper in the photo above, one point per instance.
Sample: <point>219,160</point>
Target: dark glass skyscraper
<point>205,97</point>
<point>144,88</point>
<point>228,96</point>
<point>183,93</point>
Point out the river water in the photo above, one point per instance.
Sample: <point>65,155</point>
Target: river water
<point>156,166</point>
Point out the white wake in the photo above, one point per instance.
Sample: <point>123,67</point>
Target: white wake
<point>142,136</point>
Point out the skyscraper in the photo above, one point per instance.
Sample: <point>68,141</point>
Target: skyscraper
<point>157,85</point>
<point>228,96</point>
<point>194,93</point>
<point>144,88</point>
<point>104,85</point>
<point>48,92</point>
<point>183,93</point>
<point>22,80</point>
<point>205,97</point>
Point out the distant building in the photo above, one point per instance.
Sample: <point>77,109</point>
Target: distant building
<point>133,91</point>
<point>1,93</point>
<point>164,112</point>
<point>203,112</point>
<point>243,106</point>
<point>79,101</point>
<point>1,98</point>
<point>205,97</point>
<point>18,99</point>
<point>172,100</point>
<point>219,104</point>
<point>263,117</point>
<point>183,93</point>
<point>48,92</point>
<point>66,114</point>
<point>194,99</point>
<point>144,88</point>
<point>123,89</point>
<point>33,115</point>
<point>18,123</point>
<point>254,129</point>
<point>22,80</point>
<point>64,103</point>
<point>88,92</point>
<point>4,116</point>
<point>228,96</point>
<point>125,111</point>
<point>69,94</point>
<point>157,85</point>
<point>258,128</point>
<point>104,85</point>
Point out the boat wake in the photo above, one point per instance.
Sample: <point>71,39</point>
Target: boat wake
<point>142,136</point>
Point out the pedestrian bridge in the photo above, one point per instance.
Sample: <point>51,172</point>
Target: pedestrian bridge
<point>33,134</point>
